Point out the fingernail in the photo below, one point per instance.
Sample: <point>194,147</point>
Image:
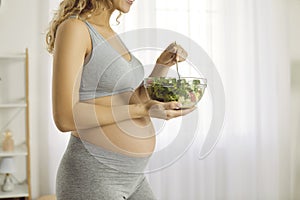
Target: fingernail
<point>179,105</point>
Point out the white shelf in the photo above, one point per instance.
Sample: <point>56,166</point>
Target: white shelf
<point>10,107</point>
<point>19,191</point>
<point>13,105</point>
<point>12,56</point>
<point>19,150</point>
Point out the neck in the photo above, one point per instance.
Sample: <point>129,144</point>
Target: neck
<point>102,19</point>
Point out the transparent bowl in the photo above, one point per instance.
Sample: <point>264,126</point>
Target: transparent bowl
<point>187,90</point>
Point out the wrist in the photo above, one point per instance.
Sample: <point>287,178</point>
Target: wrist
<point>138,110</point>
<point>160,64</point>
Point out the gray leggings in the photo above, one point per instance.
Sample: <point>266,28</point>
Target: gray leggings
<point>89,172</point>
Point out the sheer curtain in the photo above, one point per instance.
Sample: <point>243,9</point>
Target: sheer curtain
<point>246,40</point>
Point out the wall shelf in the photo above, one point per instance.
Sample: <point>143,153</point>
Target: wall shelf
<point>20,150</point>
<point>14,88</point>
<point>13,105</point>
<point>20,190</point>
<point>12,55</point>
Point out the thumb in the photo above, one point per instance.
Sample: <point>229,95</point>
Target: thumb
<point>172,105</point>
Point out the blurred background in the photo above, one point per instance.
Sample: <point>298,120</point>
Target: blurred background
<point>255,47</point>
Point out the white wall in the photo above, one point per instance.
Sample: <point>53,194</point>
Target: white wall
<point>22,25</point>
<point>295,99</point>
<point>294,47</point>
<point>18,22</point>
<point>294,29</point>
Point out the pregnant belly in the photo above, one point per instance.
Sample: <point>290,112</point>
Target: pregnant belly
<point>134,137</point>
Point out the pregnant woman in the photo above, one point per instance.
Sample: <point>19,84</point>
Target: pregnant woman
<point>99,97</point>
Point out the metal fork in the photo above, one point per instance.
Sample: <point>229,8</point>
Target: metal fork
<point>176,62</point>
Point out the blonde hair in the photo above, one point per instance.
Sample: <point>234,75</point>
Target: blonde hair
<point>76,8</point>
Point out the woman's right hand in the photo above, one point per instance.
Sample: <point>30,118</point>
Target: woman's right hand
<point>165,110</point>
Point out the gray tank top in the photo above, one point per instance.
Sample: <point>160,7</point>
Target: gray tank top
<point>105,72</point>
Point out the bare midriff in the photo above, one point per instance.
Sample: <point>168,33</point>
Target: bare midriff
<point>133,137</point>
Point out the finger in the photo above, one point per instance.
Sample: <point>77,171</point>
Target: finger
<point>172,105</point>
<point>170,58</point>
<point>177,113</point>
<point>172,54</point>
<point>173,44</point>
<point>181,54</point>
<point>172,48</point>
<point>187,111</point>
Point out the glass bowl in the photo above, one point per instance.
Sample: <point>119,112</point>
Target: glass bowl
<point>187,90</point>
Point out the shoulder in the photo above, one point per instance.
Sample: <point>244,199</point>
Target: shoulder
<point>74,26</point>
<point>73,33</point>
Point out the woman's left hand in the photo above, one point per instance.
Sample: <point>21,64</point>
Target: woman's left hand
<point>172,53</point>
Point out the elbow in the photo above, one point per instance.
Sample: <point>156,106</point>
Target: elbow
<point>63,122</point>
<point>63,127</point>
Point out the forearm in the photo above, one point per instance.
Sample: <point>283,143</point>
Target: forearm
<point>159,70</point>
<point>87,115</point>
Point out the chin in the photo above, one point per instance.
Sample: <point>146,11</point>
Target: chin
<point>124,9</point>
<point>123,5</point>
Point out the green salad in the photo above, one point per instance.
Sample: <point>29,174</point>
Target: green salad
<point>187,91</point>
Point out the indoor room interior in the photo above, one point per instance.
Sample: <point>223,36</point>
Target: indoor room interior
<point>242,141</point>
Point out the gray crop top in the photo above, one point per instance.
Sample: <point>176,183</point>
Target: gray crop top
<point>106,72</point>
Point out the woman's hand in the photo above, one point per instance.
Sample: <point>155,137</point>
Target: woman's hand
<point>172,53</point>
<point>165,110</point>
